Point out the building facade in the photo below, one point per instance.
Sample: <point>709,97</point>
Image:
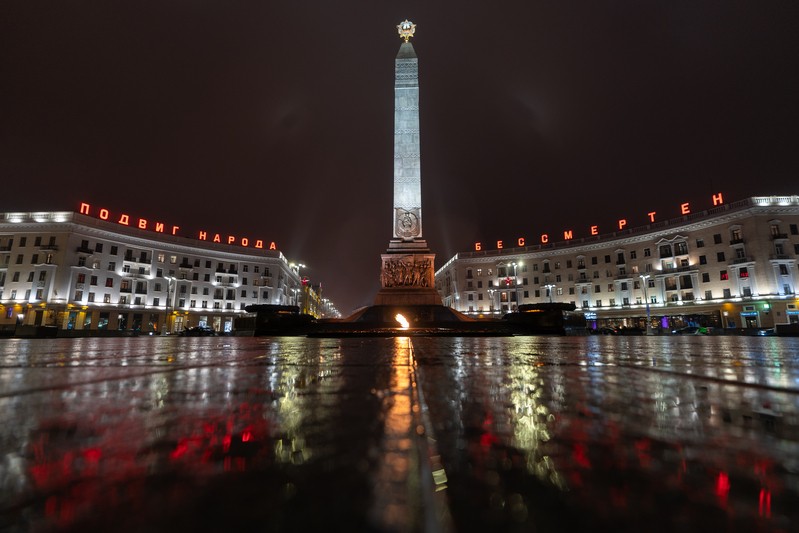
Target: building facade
<point>733,266</point>
<point>89,276</point>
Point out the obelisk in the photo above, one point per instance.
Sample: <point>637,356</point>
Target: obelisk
<point>407,276</point>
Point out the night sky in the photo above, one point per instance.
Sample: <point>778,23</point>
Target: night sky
<point>274,120</point>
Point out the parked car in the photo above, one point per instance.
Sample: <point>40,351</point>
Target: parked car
<point>198,331</point>
<point>766,332</point>
<point>691,330</point>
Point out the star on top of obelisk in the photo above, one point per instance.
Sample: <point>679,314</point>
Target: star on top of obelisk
<point>406,29</point>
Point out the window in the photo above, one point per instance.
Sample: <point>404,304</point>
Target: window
<point>81,278</point>
<point>109,282</point>
<point>173,259</point>
<point>717,238</point>
<point>245,268</point>
<point>611,288</point>
<point>597,288</point>
<point>568,263</point>
<point>705,277</point>
<point>783,270</point>
<point>680,248</point>
<point>778,248</point>
<point>112,265</point>
<point>720,257</point>
<point>244,294</point>
<point>91,297</point>
<point>624,285</point>
<point>114,250</point>
<point>208,264</point>
<point>78,296</point>
<point>775,230</point>
<point>647,253</point>
<point>708,295</point>
<point>43,275</point>
<point>702,260</point>
<point>633,254</point>
<point>207,277</point>
<point>24,240</point>
<point>723,275</point>
<point>743,272</point>
<point>607,259</point>
<point>599,303</point>
<point>20,258</point>
<point>700,243</point>
<point>665,250</point>
<point>37,241</point>
<point>594,260</point>
<point>30,277</point>
<point>794,229</point>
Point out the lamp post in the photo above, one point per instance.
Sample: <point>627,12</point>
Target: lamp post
<point>169,280</point>
<point>549,288</point>
<point>516,283</point>
<point>644,278</point>
<point>491,300</point>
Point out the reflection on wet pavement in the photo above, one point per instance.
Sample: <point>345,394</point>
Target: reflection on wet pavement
<point>512,434</point>
<point>635,434</point>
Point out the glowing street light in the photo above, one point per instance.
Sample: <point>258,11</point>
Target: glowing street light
<point>549,287</point>
<point>645,277</point>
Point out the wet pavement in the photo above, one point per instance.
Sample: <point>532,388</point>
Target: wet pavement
<point>398,434</point>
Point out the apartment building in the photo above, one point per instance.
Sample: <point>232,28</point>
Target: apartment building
<point>89,276</point>
<point>733,266</point>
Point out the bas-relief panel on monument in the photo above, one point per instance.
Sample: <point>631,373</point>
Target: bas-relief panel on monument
<point>407,223</point>
<point>408,271</point>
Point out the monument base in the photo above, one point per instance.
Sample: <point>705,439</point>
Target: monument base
<point>403,296</point>
<point>407,276</point>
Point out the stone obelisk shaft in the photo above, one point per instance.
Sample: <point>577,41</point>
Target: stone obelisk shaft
<point>407,223</point>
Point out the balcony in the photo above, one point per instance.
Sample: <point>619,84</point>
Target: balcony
<point>736,241</point>
<point>676,270</point>
<point>6,248</point>
<point>84,250</point>
<point>741,260</point>
<point>780,257</point>
<point>186,266</point>
<point>776,236</point>
<point>49,247</point>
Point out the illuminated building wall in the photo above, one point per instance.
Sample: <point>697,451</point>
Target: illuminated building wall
<point>78,273</point>
<point>733,266</point>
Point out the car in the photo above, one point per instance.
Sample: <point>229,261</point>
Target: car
<point>606,330</point>
<point>198,331</point>
<point>691,330</point>
<point>766,332</point>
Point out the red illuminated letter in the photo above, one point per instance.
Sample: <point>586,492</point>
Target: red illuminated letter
<point>499,245</point>
<point>231,239</point>
<point>142,223</point>
<point>622,223</point>
<point>84,209</point>
<point>217,238</point>
<point>567,234</point>
<point>478,246</point>
<point>272,246</point>
<point>175,230</point>
<point>203,236</point>
<point>684,209</point>
<point>594,230</point>
<point>652,216</point>
<point>544,238</point>
<point>245,241</point>
<point>717,199</point>
<point>259,243</point>
<point>124,220</point>
<point>104,214</point>
<point>521,241</point>
<point>159,227</point>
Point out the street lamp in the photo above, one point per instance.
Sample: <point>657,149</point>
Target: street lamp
<point>514,264</point>
<point>549,288</point>
<point>169,280</point>
<point>645,277</point>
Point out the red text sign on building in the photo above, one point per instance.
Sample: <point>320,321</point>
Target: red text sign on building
<point>685,209</point>
<point>160,227</point>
